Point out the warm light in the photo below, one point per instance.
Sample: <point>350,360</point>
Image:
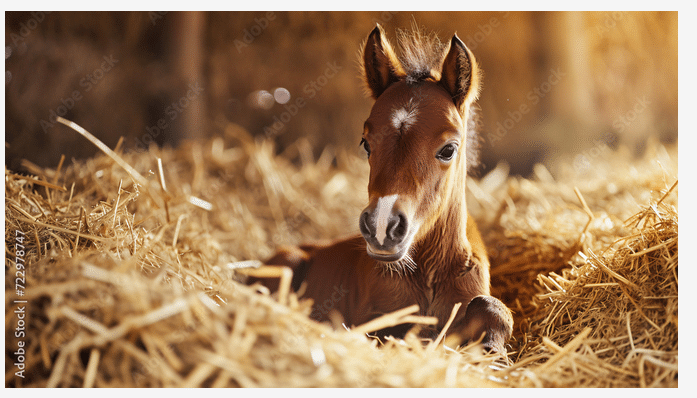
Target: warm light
<point>281,95</point>
<point>261,99</point>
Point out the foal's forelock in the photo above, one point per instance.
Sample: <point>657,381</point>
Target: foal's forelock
<point>421,55</point>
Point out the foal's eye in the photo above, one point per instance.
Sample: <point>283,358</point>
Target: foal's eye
<point>447,153</point>
<point>365,145</point>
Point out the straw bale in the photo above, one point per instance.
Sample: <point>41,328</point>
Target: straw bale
<point>133,273</point>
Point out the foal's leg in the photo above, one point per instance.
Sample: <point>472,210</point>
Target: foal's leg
<point>489,316</point>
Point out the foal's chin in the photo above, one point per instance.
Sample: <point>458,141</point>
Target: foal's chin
<point>398,260</point>
<point>387,256</point>
<point>396,256</point>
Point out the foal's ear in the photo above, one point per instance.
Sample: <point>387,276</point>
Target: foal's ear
<point>381,67</point>
<point>460,75</point>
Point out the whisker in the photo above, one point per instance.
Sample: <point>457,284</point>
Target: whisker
<point>402,267</point>
<point>409,263</point>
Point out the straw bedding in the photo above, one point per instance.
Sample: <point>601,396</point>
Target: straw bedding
<point>137,284</point>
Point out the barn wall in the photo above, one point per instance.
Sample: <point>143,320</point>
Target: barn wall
<point>555,84</point>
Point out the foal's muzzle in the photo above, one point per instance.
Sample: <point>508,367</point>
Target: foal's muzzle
<point>385,229</point>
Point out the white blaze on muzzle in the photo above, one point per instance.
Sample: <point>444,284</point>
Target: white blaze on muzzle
<point>382,216</point>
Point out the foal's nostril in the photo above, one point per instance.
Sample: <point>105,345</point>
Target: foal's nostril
<point>397,227</point>
<point>364,225</point>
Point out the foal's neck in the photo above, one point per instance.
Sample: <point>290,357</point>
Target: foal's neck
<point>446,248</point>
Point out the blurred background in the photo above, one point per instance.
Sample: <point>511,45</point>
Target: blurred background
<point>556,84</point>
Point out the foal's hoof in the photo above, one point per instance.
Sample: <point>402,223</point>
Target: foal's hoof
<point>489,317</point>
<point>428,332</point>
<point>494,347</point>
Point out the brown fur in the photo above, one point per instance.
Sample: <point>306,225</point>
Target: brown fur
<point>442,259</point>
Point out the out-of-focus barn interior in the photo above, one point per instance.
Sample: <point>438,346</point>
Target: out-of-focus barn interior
<point>556,84</point>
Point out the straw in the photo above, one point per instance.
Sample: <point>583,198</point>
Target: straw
<point>122,292</point>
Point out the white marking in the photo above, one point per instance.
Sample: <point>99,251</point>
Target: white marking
<point>405,117</point>
<point>384,209</point>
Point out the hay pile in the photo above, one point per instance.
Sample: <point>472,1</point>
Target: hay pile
<point>136,284</point>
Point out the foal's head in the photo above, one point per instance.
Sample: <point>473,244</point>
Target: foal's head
<point>416,138</point>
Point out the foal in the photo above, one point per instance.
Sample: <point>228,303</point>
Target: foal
<point>418,245</point>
